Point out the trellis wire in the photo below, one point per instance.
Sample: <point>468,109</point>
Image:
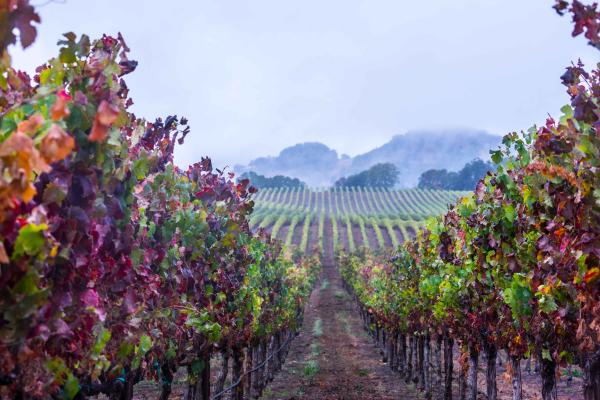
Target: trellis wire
<point>234,385</point>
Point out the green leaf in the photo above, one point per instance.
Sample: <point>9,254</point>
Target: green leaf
<point>30,240</point>
<point>510,214</point>
<point>197,366</point>
<point>546,355</point>
<point>125,349</point>
<point>101,341</point>
<point>67,55</point>
<point>597,196</point>
<point>71,387</point>
<point>546,301</point>
<point>140,167</point>
<point>27,285</point>
<point>567,110</point>
<point>145,344</point>
<point>497,156</point>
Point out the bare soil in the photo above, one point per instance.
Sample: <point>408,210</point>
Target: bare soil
<point>399,234</point>
<point>357,236</point>
<point>313,234</point>
<point>386,237</point>
<point>343,232</point>
<point>373,243</point>
<point>283,231</point>
<point>297,235</point>
<point>333,358</point>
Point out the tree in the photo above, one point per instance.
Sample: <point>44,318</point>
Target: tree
<point>471,173</point>
<point>434,179</point>
<point>379,175</point>
<point>465,179</point>
<point>261,181</point>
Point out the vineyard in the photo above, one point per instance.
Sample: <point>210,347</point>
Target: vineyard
<point>124,276</point>
<point>375,219</point>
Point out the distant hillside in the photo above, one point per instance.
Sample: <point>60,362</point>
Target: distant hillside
<point>419,151</point>
<point>413,153</point>
<point>313,163</point>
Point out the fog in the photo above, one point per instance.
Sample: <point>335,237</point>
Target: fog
<point>256,76</point>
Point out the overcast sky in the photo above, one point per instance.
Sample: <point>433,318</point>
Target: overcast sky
<point>256,76</point>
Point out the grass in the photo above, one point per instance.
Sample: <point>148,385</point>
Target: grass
<point>268,393</point>
<point>324,284</point>
<point>318,328</point>
<point>573,372</point>
<point>315,349</point>
<point>310,369</point>
<point>343,318</point>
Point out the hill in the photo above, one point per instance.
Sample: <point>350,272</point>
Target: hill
<point>413,153</point>
<point>419,151</point>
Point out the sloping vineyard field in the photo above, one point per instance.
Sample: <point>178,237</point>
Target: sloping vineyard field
<point>375,218</point>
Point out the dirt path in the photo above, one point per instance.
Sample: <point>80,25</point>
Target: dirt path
<point>333,358</point>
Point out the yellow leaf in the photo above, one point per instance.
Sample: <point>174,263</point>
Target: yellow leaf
<point>54,251</point>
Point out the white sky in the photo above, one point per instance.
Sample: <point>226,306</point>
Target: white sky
<point>256,76</point>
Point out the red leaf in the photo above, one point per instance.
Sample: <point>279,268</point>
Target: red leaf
<point>90,298</point>
<point>60,107</point>
<point>17,15</point>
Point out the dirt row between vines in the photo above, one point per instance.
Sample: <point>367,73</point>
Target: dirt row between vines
<point>333,357</point>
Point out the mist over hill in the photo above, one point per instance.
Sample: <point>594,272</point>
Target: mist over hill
<point>413,153</point>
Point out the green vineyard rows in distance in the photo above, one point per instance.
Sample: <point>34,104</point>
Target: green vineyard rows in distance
<point>377,218</point>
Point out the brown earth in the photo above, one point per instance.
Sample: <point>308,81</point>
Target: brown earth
<point>399,234</point>
<point>297,235</point>
<point>283,231</point>
<point>387,239</point>
<point>358,239</point>
<point>343,230</point>
<point>333,357</point>
<point>371,236</point>
<point>313,234</point>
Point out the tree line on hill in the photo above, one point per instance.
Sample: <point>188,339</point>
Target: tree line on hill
<point>386,175</point>
<point>379,175</point>
<point>261,181</point>
<point>465,179</point>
